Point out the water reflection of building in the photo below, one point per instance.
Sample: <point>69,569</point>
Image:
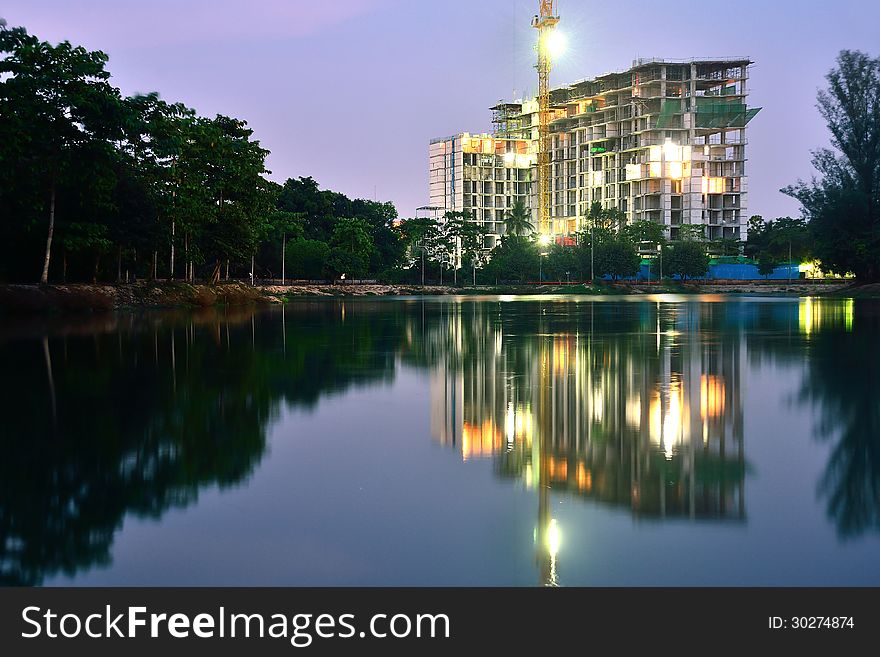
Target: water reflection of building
<point>650,420</point>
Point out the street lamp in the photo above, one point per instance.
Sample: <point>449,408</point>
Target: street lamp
<point>592,275</point>
<point>543,240</point>
<point>660,252</point>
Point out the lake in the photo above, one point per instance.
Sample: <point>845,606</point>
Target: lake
<point>572,441</point>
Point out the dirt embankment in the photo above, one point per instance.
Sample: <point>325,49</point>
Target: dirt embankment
<point>79,297</point>
<point>358,290</point>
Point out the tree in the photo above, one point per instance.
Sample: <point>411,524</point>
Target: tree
<point>687,259</point>
<point>561,262</point>
<point>728,246</point>
<point>644,233</point>
<point>617,258</point>
<point>774,242</point>
<point>470,237</point>
<point>518,220</point>
<point>350,248</point>
<point>283,225</point>
<point>57,110</point>
<point>235,165</point>
<point>843,204</point>
<point>419,235</point>
<point>691,233</point>
<point>514,258</point>
<point>307,258</point>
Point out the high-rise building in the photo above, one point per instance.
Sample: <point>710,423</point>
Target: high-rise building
<point>663,141</point>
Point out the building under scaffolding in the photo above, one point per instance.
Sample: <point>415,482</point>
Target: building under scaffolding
<point>663,140</point>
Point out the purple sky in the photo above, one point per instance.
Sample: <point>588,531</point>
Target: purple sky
<point>350,91</point>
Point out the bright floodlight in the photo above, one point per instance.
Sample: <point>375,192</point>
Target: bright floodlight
<point>555,43</point>
<point>544,239</point>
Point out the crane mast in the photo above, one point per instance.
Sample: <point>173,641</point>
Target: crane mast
<point>545,22</point>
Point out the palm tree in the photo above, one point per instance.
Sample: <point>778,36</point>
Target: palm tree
<point>517,220</point>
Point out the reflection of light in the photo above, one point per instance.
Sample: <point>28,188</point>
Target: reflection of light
<point>597,405</point>
<point>558,469</point>
<point>561,348</point>
<point>584,478</point>
<point>479,441</point>
<point>814,314</point>
<point>667,424</point>
<point>509,423</point>
<point>553,538</point>
<point>808,315</point>
<point>634,411</point>
<point>711,396</point>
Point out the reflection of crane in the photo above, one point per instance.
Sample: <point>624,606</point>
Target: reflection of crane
<point>545,22</point>
<point>547,534</point>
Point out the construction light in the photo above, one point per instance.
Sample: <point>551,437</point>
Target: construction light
<point>555,43</point>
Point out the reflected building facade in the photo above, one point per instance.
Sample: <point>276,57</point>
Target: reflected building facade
<point>648,418</point>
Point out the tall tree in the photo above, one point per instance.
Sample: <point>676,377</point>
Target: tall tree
<point>518,220</point>
<point>843,204</point>
<point>56,111</point>
<point>350,248</point>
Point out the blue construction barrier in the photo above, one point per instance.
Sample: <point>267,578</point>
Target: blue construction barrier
<point>728,271</point>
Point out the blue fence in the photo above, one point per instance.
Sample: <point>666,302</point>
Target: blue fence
<point>731,271</point>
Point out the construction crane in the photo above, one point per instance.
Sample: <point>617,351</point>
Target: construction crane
<point>545,22</point>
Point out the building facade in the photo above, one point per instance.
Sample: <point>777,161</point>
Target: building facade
<point>663,141</point>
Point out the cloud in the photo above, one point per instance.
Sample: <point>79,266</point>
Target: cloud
<point>114,24</point>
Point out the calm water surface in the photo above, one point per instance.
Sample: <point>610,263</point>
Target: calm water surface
<point>496,441</point>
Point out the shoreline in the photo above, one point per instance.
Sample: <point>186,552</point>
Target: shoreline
<point>82,297</point>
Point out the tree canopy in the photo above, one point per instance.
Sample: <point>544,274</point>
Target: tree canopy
<point>842,205</point>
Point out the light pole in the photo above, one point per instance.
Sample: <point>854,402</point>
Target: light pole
<point>592,275</point>
<point>660,252</point>
<point>544,240</point>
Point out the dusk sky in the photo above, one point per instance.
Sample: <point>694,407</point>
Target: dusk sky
<point>350,91</point>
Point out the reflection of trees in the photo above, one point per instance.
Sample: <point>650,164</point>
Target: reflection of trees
<point>835,341</point>
<point>843,382</point>
<point>631,405</point>
<point>134,415</point>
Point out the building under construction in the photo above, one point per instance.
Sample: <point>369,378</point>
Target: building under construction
<point>664,140</point>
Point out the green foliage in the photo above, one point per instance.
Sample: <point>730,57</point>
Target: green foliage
<point>561,263</point>
<point>617,258</point>
<point>351,247</point>
<point>307,258</point>
<point>518,220</point>
<point>515,258</point>
<point>691,233</point>
<point>843,204</point>
<point>686,259</point>
<point>320,210</point>
<point>728,246</point>
<point>771,242</point>
<point>644,233</point>
<point>159,185</point>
